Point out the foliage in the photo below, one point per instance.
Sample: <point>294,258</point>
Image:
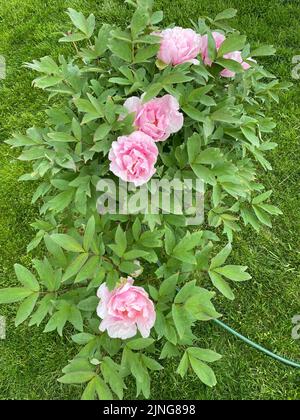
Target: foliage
<point>222,142</point>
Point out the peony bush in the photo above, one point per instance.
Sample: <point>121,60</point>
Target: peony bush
<point>140,103</point>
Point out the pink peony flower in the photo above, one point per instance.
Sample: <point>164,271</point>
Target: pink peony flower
<point>179,46</point>
<point>219,39</point>
<point>158,118</point>
<point>236,55</point>
<point>125,310</point>
<point>133,158</point>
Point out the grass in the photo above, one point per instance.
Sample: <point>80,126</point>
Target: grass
<point>30,361</point>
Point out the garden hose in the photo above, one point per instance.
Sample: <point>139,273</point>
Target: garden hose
<point>257,346</point>
<point>252,344</point>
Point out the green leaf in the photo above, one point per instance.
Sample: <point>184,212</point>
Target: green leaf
<point>204,173</point>
<point>79,364</point>
<point>170,333</point>
<point>76,378</point>
<point>102,132</point>
<point>55,250</point>
<point>200,307</point>
<point>135,254</point>
<point>185,257</point>
<point>62,137</point>
<point>271,209</point>
<point>203,371</point>
<point>88,270</point>
<point>151,239</point>
<point>89,233</point>
<point>198,93</point>
<point>161,65</point>
<point>121,240</point>
<point>152,91</point>
<point>26,308</point>
<point>102,40</point>
<point>189,242</point>
<point>221,285</point>
<point>250,135</point>
<point>151,363</point>
<point>194,113</point>
<point>67,242</point>
<point>262,197</point>
<point>194,147</point>
<point>75,266</point>
<point>168,286</point>
<point>226,14</point>
<point>112,376</point>
<point>264,50</point>
<point>212,48</point>
<point>170,240</point>
<point>47,81</point>
<point>180,319</point>
<point>207,101</point>
<point>233,43</point>
<point>140,373</point>
<point>44,65</point>
<point>176,77</point>
<point>185,292</point>
<point>231,65</point>
<point>89,305</point>
<point>139,21</point>
<point>13,295</point>
<point>45,305</point>
<point>75,318</point>
<point>204,354</point>
<point>140,343</point>
<point>82,338</point>
<point>169,350</point>
<point>76,129</point>
<point>90,391</point>
<point>87,26</point>
<point>103,391</point>
<point>223,115</point>
<point>75,37</point>
<point>128,267</point>
<point>221,258</point>
<point>34,153</point>
<point>250,218</point>
<point>19,140</point>
<point>50,278</point>
<point>119,81</point>
<point>143,54</point>
<point>58,320</point>
<point>26,278</point>
<point>153,292</point>
<point>97,281</point>
<point>61,201</point>
<point>209,156</point>
<point>157,17</point>
<point>234,272</point>
<point>91,109</point>
<point>183,366</point>
<point>112,279</point>
<point>262,216</point>
<point>121,49</point>
<point>136,229</point>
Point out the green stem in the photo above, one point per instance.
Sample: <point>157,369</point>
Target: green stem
<point>257,346</point>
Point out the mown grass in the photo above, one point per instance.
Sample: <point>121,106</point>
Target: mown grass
<point>31,361</point>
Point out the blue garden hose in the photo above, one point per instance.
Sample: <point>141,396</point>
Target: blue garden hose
<point>257,346</point>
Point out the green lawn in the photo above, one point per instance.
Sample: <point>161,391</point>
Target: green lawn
<point>30,361</point>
